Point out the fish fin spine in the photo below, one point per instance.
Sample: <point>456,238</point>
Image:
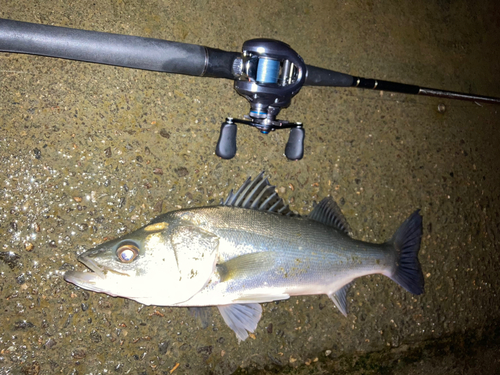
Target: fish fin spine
<point>258,194</point>
<point>406,244</point>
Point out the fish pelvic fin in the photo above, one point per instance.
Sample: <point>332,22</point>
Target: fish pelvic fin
<point>241,318</point>
<point>406,243</point>
<point>202,314</point>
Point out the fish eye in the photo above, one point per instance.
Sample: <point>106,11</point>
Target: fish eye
<point>127,253</point>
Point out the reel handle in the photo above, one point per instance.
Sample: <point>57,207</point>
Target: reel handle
<point>294,149</point>
<point>226,145</point>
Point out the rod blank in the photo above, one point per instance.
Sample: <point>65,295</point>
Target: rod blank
<point>173,57</point>
<point>375,84</point>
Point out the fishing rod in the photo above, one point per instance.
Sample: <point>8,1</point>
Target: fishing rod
<point>268,73</point>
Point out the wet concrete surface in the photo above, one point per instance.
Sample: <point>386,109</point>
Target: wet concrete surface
<point>89,152</point>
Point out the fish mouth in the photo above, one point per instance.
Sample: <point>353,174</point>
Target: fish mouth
<point>97,272</point>
<point>93,266</point>
<point>86,279</point>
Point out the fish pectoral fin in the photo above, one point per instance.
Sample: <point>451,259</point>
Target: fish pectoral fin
<point>202,314</point>
<point>339,298</point>
<point>247,266</point>
<point>241,318</point>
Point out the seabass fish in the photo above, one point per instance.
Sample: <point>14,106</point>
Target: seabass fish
<point>248,250</point>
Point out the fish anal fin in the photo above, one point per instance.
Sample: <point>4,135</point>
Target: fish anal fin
<point>241,318</point>
<point>339,297</point>
<point>328,212</point>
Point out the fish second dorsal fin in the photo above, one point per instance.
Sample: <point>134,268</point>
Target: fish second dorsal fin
<point>258,194</point>
<point>328,212</point>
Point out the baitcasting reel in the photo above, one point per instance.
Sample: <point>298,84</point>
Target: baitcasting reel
<point>268,74</point>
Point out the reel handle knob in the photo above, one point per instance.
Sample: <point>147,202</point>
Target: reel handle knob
<point>226,145</point>
<point>294,149</point>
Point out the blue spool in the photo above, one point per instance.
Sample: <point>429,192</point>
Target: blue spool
<point>268,70</point>
<point>257,113</point>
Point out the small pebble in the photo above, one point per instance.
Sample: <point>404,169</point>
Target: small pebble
<point>83,227</point>
<point>164,133</point>
<point>78,353</point>
<point>28,246</point>
<point>50,343</point>
<point>181,172</point>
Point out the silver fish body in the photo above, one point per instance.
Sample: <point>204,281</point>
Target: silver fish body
<point>245,252</point>
<point>265,257</point>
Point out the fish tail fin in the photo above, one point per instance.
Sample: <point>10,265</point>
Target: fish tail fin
<point>406,243</point>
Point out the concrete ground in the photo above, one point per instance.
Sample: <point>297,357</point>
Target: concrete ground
<point>80,144</point>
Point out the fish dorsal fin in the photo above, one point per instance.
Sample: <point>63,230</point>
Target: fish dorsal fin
<point>241,318</point>
<point>340,298</point>
<point>328,212</point>
<point>258,194</point>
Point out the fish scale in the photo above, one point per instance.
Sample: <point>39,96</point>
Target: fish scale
<point>250,249</point>
<point>302,257</point>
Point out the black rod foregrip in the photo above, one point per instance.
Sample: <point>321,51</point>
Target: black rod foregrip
<point>114,49</point>
<point>324,77</point>
<point>377,84</point>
